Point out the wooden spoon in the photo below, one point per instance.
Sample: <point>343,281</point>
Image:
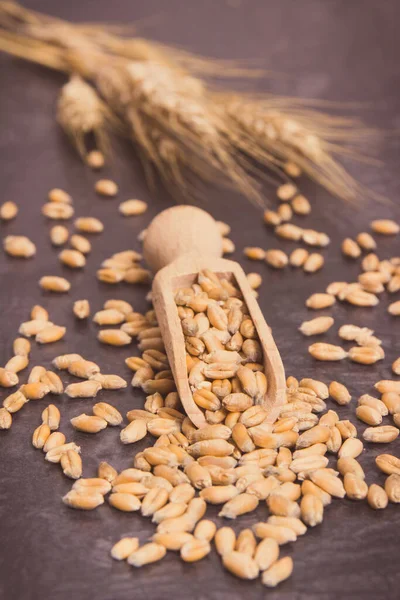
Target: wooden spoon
<point>180,242</point>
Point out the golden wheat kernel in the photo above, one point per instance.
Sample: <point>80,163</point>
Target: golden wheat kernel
<point>378,405</point>
<point>382,434</point>
<point>83,501</point>
<point>51,416</point>
<point>394,284</point>
<point>154,500</point>
<point>394,308</point>
<point>285,212</point>
<point>349,464</point>
<point>327,352</point>
<point>110,275</point>
<point>40,435</point>
<point>137,275</point>
<point>72,258</point>
<point>194,550</point>
<point>59,196</point>
<point>80,244</point>
<point>95,159</point>
<point>64,361</point>
<point>88,423</point>
<point>5,419</point>
<point>135,431</point>
<point>315,238</point>
<point>356,488</point>
<point>53,382</point>
<point>385,226</point>
<point>366,355</point>
<point>314,263</point>
<point>298,257</point>
<point>50,334</point>
<point>316,326</point>
<point>369,415</point>
<point>71,464</point>
<point>172,541</point>
<point>91,484</point>
<point>276,258</point>
<point>35,391</point>
<point>83,389</point>
<point>350,248</point>
<point>53,283</point>
<point>8,211</point>
<point>278,572</point>
<point>301,205</point>
<point>39,313</point>
<point>110,382</point>
<point>292,169</point>
<point>238,505</point>
<point>312,510</point>
<point>246,542</point>
<point>81,309</point>
<point>267,552</point>
<point>392,402</point>
<point>352,447</point>
<point>387,385</point>
<point>106,187</point>
<point>288,231</point>
<point>89,225</point>
<point>339,393</point>
<point>19,246</point>
<point>124,502</point>
<point>392,488</point>
<point>57,211</point>
<point>121,305</point>
<point>271,218</point>
<point>114,337</point>
<point>107,472</point>
<point>225,539</point>
<point>286,191</point>
<point>328,482</point>
<point>17,363</point>
<point>59,235</point>
<point>241,565</point>
<point>149,553</point>
<point>254,253</point>
<point>320,388</point>
<point>377,497</point>
<point>388,464</point>
<point>366,241</point>
<point>124,547</point>
<point>109,316</point>
<point>55,452</point>
<point>131,208</point>
<point>320,300</point>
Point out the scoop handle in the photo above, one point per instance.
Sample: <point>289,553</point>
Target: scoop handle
<point>181,230</point>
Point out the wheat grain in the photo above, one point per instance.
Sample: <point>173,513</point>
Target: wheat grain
<point>95,159</point>
<point>350,248</point>
<point>53,283</point>
<point>8,211</point>
<point>385,227</point>
<point>278,572</point>
<point>19,246</point>
<point>57,211</point>
<point>89,225</point>
<point>88,501</point>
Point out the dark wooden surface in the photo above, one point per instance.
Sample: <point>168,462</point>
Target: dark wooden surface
<point>334,50</point>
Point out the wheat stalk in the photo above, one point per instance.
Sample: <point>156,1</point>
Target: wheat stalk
<point>183,129</point>
<point>80,111</point>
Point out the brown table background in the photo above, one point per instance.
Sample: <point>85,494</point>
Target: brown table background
<point>335,50</point>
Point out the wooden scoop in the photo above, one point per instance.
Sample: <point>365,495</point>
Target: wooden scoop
<point>180,242</point>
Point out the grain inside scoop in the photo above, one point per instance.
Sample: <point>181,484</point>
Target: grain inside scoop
<point>182,242</point>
